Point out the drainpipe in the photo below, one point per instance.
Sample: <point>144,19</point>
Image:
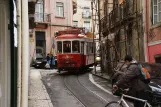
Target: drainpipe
<point>19,53</point>
<point>146,30</point>
<point>25,53</point>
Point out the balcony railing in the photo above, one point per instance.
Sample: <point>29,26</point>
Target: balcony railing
<point>86,14</point>
<point>118,15</point>
<point>42,17</point>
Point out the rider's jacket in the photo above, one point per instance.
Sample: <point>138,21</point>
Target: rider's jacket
<point>132,76</point>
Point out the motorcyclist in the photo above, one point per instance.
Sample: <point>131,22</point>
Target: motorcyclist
<point>132,76</point>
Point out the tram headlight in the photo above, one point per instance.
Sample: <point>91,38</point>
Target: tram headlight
<point>98,58</point>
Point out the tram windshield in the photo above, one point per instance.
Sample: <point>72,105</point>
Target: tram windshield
<point>67,46</point>
<point>75,47</point>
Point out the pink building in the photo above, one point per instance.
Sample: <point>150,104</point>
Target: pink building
<point>152,25</point>
<point>50,16</point>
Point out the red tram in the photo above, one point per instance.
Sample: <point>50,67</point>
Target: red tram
<point>75,50</point>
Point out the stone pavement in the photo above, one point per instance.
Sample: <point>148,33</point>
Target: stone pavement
<point>38,96</point>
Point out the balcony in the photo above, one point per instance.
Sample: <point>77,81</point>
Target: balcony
<point>42,18</point>
<point>39,20</point>
<point>119,16</point>
<point>86,14</point>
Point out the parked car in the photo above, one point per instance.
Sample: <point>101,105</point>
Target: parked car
<point>40,61</point>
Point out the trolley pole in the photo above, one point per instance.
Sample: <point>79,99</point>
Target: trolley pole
<point>94,50</point>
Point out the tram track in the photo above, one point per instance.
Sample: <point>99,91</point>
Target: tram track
<point>72,92</point>
<point>95,94</point>
<point>84,95</point>
<point>68,90</point>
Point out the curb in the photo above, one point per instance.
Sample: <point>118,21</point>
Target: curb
<point>100,76</point>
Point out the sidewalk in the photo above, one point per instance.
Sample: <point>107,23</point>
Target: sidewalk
<point>100,74</point>
<point>38,96</point>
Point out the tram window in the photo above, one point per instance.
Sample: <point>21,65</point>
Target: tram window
<point>59,44</point>
<point>82,47</point>
<point>67,46</point>
<point>87,47</point>
<point>90,47</point>
<point>75,47</point>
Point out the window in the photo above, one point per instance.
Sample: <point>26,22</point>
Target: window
<point>75,23</point>
<point>158,59</point>
<point>59,47</point>
<point>92,47</point>
<point>87,25</point>
<point>89,47</point>
<point>39,11</point>
<point>75,47</point>
<point>67,46</point>
<point>39,6</point>
<point>59,9</point>
<point>156,7</point>
<point>82,47</point>
<point>86,12</point>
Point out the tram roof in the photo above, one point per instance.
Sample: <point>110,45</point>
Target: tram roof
<point>74,33</point>
<point>72,36</point>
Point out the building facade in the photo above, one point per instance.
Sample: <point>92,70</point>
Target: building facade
<point>50,16</point>
<point>83,17</point>
<point>152,24</point>
<point>122,31</point>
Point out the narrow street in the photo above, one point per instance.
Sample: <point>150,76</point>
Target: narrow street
<point>113,48</point>
<point>70,90</point>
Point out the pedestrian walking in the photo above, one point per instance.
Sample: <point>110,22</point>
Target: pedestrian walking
<point>48,58</point>
<point>52,61</point>
<point>48,61</point>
